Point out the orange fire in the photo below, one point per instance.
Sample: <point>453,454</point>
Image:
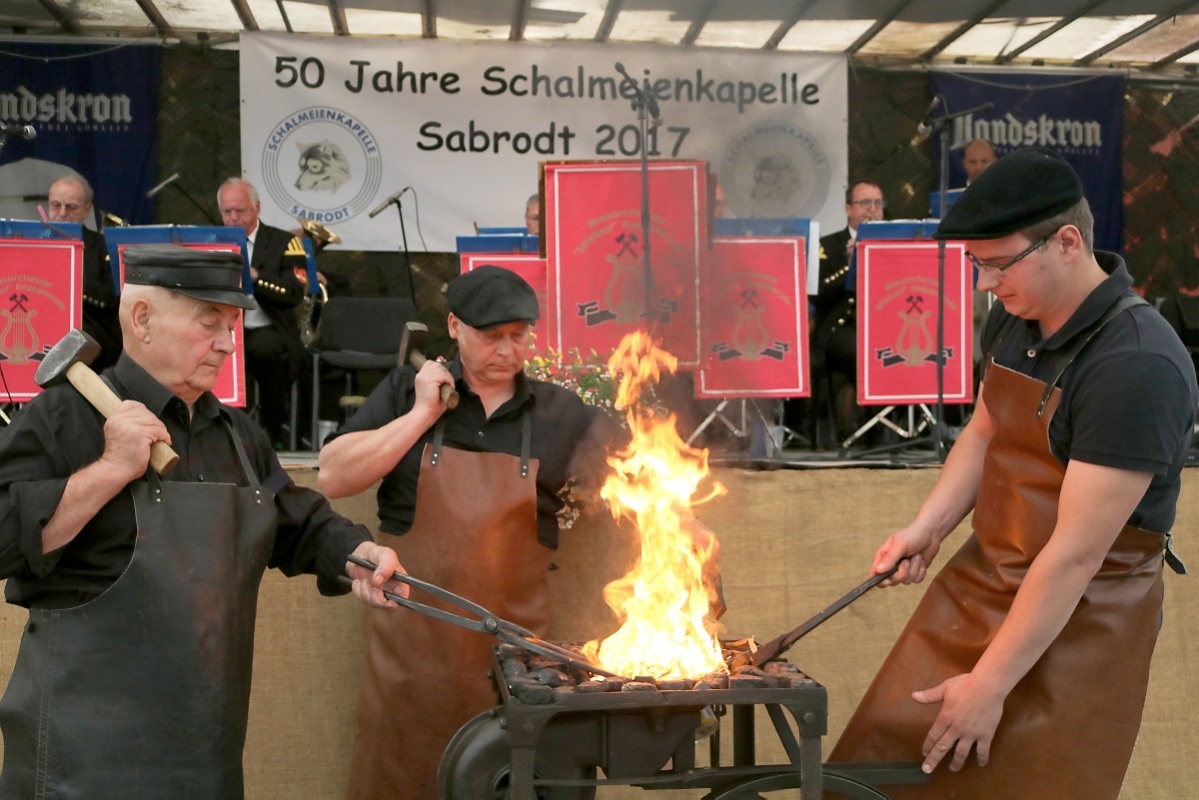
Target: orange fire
<point>662,603</point>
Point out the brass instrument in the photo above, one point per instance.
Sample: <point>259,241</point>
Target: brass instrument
<point>308,312</point>
<point>111,220</point>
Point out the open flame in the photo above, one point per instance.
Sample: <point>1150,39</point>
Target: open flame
<point>662,603</point>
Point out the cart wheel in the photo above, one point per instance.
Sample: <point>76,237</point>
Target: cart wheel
<point>475,764</point>
<point>834,781</point>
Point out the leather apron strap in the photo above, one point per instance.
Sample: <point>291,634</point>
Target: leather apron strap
<point>144,691</point>
<point>1081,703</point>
<point>475,534</point>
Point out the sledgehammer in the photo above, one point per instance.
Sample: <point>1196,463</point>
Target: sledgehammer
<point>68,360</point>
<point>412,342</point>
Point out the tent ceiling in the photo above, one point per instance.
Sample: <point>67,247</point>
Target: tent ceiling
<point>1143,36</point>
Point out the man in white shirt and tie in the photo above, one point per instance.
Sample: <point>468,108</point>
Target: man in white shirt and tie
<point>274,353</point>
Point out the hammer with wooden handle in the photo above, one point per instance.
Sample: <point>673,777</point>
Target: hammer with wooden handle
<point>68,361</point>
<point>412,342</point>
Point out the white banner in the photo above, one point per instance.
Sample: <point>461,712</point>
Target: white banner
<point>332,127</point>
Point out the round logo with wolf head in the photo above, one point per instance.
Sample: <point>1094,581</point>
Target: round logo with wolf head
<point>774,170</point>
<point>322,164</point>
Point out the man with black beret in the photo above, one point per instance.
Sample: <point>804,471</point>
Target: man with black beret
<point>468,498</point>
<point>133,677</point>
<point>1031,647</point>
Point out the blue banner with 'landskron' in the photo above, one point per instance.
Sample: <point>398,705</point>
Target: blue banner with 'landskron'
<point>93,110</point>
<point>1078,116</point>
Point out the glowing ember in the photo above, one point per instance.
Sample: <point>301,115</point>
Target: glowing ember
<point>662,603</point>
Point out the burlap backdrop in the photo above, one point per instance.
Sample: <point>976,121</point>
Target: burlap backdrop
<point>794,541</point>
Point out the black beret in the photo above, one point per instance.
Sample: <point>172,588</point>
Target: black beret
<point>490,296</point>
<point>1019,190</point>
<point>209,275</point>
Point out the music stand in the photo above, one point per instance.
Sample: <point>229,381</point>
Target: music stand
<point>904,240</point>
<point>231,385</point>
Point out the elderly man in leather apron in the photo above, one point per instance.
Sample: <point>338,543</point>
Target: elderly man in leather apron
<point>468,498</point>
<point>1032,645</point>
<point>133,676</point>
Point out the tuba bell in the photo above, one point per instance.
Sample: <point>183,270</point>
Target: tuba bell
<point>308,312</point>
<point>111,220</point>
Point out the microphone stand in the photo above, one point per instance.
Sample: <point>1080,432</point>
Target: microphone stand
<point>407,255</point>
<point>648,118</point>
<point>939,126</point>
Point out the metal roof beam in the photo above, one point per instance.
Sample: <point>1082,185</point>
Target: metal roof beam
<point>877,27</point>
<point>283,14</point>
<point>1170,59</point>
<point>1128,37</point>
<point>611,12</point>
<point>698,22</point>
<point>1006,58</point>
<point>428,19</point>
<point>155,16</point>
<point>337,15</point>
<point>245,14</point>
<point>520,18</point>
<point>787,24</point>
<point>957,32</point>
<point>64,20</point>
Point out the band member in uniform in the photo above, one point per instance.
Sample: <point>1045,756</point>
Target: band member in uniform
<point>70,200</point>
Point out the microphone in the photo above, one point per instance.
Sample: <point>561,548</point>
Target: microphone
<point>24,131</point>
<point>388,202</point>
<point>926,127</point>
<point>162,185</point>
<point>644,95</point>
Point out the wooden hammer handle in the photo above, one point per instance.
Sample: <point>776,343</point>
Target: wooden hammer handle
<point>97,392</point>
<point>449,395</point>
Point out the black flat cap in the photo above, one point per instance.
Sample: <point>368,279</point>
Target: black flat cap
<point>203,274</point>
<point>1019,190</point>
<point>490,296</point>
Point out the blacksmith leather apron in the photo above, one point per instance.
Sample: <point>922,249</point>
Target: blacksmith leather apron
<point>1069,725</point>
<point>143,692</point>
<point>475,534</point>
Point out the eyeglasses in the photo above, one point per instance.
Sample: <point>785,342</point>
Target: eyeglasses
<point>870,202</point>
<point>70,208</point>
<point>999,269</point>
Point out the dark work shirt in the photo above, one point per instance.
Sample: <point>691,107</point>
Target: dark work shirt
<point>568,439</point>
<point>1128,399</point>
<point>59,433</point>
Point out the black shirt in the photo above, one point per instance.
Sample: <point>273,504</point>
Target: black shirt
<point>59,433</point>
<point>1129,398</point>
<point>568,439</point>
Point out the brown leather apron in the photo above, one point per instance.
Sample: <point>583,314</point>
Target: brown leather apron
<point>1069,725</point>
<point>474,534</point>
<point>143,692</point>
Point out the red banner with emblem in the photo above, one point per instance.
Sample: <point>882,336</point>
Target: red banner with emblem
<point>897,323</point>
<point>529,266</point>
<point>230,387</point>
<point>41,299</point>
<point>755,319</point>
<point>595,254</point>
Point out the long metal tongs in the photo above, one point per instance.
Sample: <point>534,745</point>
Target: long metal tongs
<point>502,629</point>
<point>781,644</point>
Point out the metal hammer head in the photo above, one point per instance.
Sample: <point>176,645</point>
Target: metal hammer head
<point>75,347</point>
<point>412,340</point>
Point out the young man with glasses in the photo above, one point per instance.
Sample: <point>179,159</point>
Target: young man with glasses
<point>1044,622</point>
<point>833,330</point>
